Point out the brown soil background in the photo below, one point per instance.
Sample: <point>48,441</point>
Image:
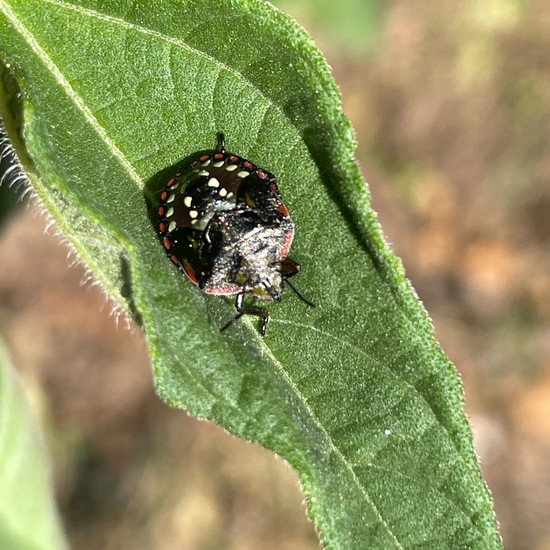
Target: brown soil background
<point>452,113</point>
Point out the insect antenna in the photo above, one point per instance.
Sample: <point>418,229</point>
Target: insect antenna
<point>299,294</point>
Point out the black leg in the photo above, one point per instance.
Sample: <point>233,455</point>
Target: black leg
<point>248,310</point>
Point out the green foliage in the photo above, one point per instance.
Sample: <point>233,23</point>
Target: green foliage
<point>28,519</point>
<point>356,394</point>
<point>353,24</point>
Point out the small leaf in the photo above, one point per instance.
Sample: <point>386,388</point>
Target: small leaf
<point>356,394</point>
<point>28,519</point>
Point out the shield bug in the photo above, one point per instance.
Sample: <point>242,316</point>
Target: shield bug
<point>223,223</point>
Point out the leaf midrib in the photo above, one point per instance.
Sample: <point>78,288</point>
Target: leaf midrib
<point>286,377</point>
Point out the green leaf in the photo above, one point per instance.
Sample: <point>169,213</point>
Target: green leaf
<point>356,394</point>
<point>28,518</point>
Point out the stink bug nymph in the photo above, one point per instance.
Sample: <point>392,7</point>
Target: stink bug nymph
<point>223,223</point>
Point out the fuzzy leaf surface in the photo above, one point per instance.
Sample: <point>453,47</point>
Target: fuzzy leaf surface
<point>356,394</point>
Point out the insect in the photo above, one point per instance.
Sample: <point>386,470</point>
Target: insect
<point>223,223</point>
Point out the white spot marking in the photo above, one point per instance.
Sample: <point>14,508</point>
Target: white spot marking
<point>243,174</point>
<point>170,212</point>
<point>223,192</point>
<point>213,182</point>
<point>219,163</point>
<point>204,173</point>
<point>231,167</point>
<point>171,198</point>
<point>194,221</point>
<point>193,213</point>
<point>175,186</point>
<point>206,162</point>
<point>187,201</point>
<point>229,195</point>
<point>172,226</point>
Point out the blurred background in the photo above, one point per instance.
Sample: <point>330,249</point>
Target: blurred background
<point>451,104</point>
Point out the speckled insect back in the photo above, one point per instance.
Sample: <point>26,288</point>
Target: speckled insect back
<point>223,222</point>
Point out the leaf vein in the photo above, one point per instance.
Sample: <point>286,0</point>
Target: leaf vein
<point>62,81</point>
<point>284,374</point>
<point>382,365</point>
<point>171,40</point>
